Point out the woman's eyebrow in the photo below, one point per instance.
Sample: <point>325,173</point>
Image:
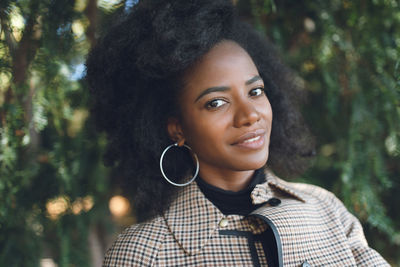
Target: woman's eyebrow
<point>254,79</point>
<point>211,90</point>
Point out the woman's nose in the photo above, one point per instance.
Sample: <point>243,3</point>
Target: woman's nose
<point>246,114</point>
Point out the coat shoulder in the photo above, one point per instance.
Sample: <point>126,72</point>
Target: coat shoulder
<point>329,201</point>
<point>363,254</point>
<point>138,244</point>
<point>315,191</point>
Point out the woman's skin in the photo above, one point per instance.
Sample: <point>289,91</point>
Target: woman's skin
<point>225,116</point>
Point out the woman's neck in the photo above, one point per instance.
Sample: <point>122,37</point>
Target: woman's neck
<point>226,179</point>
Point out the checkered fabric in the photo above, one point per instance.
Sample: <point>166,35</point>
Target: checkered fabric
<point>311,227</point>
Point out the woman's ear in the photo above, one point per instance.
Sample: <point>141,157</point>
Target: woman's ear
<point>175,131</point>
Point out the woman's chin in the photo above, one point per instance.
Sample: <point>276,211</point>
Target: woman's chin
<point>254,164</point>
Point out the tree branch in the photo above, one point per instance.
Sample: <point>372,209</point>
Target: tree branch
<point>22,53</point>
<point>91,13</point>
<point>28,46</point>
<point>9,37</point>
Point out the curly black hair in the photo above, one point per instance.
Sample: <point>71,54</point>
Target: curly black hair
<point>134,74</point>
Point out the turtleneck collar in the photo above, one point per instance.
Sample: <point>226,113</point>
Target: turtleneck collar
<point>230,202</point>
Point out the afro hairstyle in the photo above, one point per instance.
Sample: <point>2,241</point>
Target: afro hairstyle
<point>135,74</point>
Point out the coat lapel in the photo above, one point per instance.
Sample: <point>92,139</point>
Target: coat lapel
<point>192,219</point>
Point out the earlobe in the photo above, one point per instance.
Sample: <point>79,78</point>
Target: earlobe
<point>175,131</point>
<point>181,142</point>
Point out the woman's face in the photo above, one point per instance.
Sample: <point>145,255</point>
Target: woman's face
<point>225,115</point>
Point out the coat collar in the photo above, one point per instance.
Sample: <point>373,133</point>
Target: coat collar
<point>283,186</point>
<point>193,219</point>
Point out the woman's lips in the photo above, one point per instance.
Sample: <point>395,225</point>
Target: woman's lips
<point>251,140</point>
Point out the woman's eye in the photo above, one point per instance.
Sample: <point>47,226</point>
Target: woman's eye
<point>215,103</point>
<point>256,91</point>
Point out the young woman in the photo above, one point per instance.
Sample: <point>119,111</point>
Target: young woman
<point>199,114</point>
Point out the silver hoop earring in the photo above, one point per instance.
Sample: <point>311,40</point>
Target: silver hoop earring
<point>165,176</point>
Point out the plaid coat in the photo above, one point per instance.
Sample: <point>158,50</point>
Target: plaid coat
<point>310,227</point>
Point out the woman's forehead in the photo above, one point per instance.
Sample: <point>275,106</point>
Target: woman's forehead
<point>225,59</point>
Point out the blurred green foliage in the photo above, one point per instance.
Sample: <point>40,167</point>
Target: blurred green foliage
<point>53,188</point>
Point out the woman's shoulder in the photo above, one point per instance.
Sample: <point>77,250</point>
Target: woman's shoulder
<point>145,231</point>
<point>138,244</point>
<point>316,195</point>
<point>311,191</point>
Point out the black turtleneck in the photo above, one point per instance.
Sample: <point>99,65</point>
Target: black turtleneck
<point>230,202</point>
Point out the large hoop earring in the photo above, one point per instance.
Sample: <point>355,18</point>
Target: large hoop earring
<point>165,176</point>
